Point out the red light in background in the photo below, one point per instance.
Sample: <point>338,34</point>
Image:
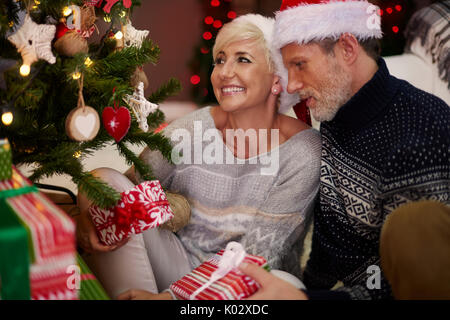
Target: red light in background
<point>231,14</point>
<point>217,24</point>
<point>207,35</point>
<point>398,7</point>
<point>380,12</point>
<point>195,79</point>
<point>215,3</point>
<point>205,92</point>
<point>204,50</point>
<point>389,10</point>
<point>209,20</point>
<point>395,29</point>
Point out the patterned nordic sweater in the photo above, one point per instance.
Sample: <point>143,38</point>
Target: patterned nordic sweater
<point>390,144</point>
<point>267,212</point>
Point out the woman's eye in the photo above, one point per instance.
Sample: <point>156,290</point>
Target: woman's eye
<point>244,60</point>
<point>218,61</point>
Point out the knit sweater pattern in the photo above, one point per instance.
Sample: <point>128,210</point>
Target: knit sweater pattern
<point>388,145</point>
<point>267,213</point>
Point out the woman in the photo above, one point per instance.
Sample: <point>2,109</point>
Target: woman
<point>256,187</point>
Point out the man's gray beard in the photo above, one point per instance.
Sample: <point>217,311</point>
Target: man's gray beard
<point>335,92</point>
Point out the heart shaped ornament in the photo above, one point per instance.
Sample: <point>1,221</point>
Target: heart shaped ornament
<point>117,122</point>
<point>82,123</point>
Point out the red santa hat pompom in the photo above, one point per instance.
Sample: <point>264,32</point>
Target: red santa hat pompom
<point>304,21</point>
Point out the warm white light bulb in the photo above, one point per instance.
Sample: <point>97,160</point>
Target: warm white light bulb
<point>118,35</point>
<point>7,118</point>
<point>88,62</point>
<point>67,11</point>
<point>24,70</point>
<point>76,75</point>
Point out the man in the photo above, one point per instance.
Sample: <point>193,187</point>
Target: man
<point>384,143</point>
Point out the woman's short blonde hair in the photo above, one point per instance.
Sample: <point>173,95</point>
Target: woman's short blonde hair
<point>239,30</point>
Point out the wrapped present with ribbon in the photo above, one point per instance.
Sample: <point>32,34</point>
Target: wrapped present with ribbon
<point>5,160</point>
<point>219,278</point>
<point>140,208</point>
<point>37,243</point>
<point>90,287</point>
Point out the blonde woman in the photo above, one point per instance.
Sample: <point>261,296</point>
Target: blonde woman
<point>250,175</point>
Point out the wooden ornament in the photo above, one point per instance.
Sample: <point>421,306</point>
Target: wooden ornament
<point>82,123</point>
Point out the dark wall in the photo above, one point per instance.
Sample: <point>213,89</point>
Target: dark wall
<point>175,26</point>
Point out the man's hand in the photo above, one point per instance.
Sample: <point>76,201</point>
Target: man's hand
<point>272,288</point>
<point>134,294</point>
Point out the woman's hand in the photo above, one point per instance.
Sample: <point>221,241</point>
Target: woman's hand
<point>134,294</point>
<point>87,236</point>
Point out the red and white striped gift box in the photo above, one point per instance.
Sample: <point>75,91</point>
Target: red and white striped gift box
<point>234,286</point>
<point>52,234</point>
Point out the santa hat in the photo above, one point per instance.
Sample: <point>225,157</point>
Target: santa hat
<point>303,21</point>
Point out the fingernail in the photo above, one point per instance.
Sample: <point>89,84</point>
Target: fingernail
<point>243,265</point>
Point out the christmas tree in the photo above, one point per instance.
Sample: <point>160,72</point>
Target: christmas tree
<point>63,96</point>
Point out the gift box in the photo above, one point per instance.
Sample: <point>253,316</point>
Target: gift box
<point>37,243</point>
<point>5,160</point>
<point>140,208</point>
<point>219,278</point>
<point>90,287</point>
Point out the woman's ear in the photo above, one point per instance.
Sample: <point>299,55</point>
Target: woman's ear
<point>276,85</point>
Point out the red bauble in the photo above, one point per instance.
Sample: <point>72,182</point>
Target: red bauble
<point>117,122</point>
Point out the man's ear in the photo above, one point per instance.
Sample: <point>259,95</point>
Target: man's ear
<point>348,48</point>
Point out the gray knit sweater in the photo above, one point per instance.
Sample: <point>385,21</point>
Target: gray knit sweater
<point>268,213</point>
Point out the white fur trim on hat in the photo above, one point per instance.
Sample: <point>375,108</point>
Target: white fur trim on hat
<point>266,25</point>
<point>307,22</point>
<point>314,22</point>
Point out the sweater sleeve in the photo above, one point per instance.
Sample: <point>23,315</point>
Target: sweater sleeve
<point>293,195</point>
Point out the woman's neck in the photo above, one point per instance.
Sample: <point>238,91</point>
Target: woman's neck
<point>260,123</point>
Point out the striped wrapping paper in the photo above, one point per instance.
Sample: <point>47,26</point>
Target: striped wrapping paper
<point>234,286</point>
<point>91,289</point>
<point>52,241</point>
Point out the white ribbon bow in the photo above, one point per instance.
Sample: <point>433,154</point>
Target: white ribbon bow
<point>232,257</point>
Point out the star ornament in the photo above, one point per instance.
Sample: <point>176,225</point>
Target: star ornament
<point>140,106</point>
<point>33,41</point>
<point>132,36</point>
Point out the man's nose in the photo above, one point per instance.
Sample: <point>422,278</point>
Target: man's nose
<point>295,83</point>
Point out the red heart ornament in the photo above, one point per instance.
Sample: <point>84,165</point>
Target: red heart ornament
<point>116,122</point>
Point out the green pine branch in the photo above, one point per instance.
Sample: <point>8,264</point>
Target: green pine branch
<point>144,170</point>
<point>96,190</point>
<point>170,88</point>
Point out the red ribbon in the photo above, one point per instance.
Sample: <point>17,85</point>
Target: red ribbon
<point>130,215</point>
